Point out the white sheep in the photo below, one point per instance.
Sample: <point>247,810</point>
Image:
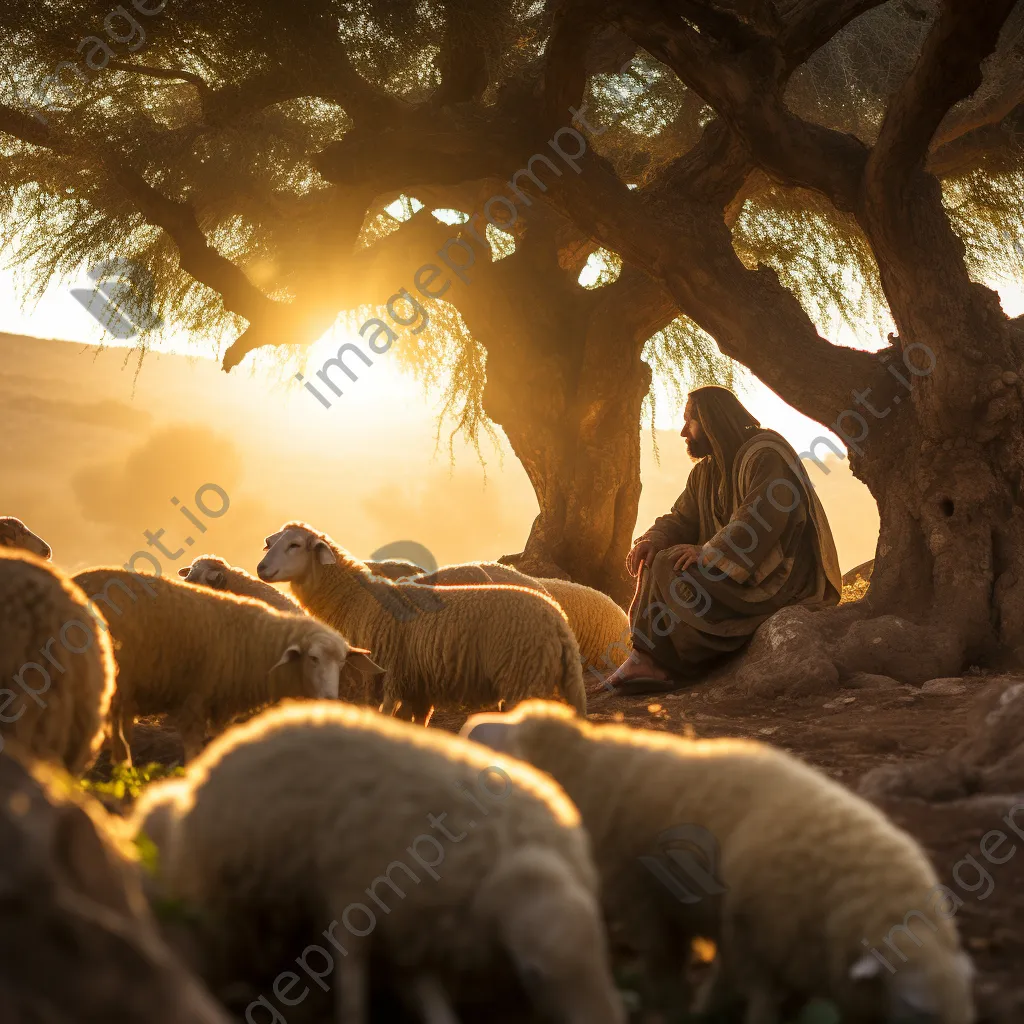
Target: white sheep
<point>15,534</point>
<point>57,702</point>
<point>213,572</point>
<point>328,820</point>
<point>600,625</point>
<point>810,876</point>
<point>459,646</point>
<point>202,656</point>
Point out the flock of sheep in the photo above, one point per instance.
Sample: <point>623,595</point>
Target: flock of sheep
<point>332,857</point>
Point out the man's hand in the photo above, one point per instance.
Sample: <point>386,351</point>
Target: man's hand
<point>643,551</point>
<point>684,555</point>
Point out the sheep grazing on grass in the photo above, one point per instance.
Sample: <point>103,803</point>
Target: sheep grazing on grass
<point>366,840</point>
<point>213,572</point>
<point>15,534</point>
<point>202,657</point>
<point>809,880</point>
<point>57,702</point>
<point>600,625</point>
<point>459,646</point>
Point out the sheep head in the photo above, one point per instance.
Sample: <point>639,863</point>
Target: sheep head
<point>15,534</point>
<point>331,669</point>
<point>206,571</point>
<point>293,554</point>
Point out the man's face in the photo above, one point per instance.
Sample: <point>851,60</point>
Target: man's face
<point>697,443</point>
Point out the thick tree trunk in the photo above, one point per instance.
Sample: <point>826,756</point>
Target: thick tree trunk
<point>566,383</point>
<point>571,412</point>
<point>579,441</point>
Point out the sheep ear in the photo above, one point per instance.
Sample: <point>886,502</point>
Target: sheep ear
<point>494,731</point>
<point>360,660</point>
<point>324,554</point>
<point>270,541</point>
<point>866,967</point>
<point>216,578</point>
<point>292,653</point>
<point>184,571</point>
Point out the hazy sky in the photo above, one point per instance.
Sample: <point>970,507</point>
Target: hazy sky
<point>93,452</point>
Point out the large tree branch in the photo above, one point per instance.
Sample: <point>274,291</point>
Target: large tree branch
<point>745,88</point>
<point>808,24</point>
<point>462,61</point>
<point>948,70</point>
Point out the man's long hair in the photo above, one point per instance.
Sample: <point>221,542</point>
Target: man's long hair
<point>728,426</point>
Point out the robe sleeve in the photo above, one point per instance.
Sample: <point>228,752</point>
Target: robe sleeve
<point>681,525</point>
<point>749,547</point>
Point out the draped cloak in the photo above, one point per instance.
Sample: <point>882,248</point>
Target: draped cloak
<point>767,545</point>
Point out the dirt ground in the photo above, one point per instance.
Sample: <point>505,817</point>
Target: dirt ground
<point>846,734</point>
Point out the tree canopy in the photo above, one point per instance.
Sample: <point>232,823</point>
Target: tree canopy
<point>247,153</point>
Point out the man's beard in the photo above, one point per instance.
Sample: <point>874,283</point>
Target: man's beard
<point>697,448</point>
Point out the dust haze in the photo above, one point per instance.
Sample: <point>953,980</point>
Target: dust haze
<point>94,448</point>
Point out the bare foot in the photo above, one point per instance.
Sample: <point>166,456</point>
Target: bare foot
<point>638,665</point>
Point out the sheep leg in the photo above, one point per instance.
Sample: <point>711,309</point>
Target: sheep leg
<point>350,991</point>
<point>434,1005</point>
<point>191,727</point>
<point>420,709</point>
<point>122,723</point>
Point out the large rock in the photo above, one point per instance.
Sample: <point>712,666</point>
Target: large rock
<point>989,760</point>
<point>77,942</point>
<point>787,655</point>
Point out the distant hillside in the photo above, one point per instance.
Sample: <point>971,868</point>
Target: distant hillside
<point>93,448</point>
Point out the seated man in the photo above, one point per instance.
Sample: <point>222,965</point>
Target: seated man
<point>747,537</point>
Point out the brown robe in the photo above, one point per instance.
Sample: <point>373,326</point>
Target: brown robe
<point>767,545</point>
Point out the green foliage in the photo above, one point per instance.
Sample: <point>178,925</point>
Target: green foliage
<point>820,255</point>
<point>149,855</point>
<point>126,782</point>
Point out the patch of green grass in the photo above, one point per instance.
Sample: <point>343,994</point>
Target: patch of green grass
<point>126,783</point>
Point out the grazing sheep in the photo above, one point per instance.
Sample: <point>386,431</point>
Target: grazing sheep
<point>809,877</point>
<point>213,572</point>
<point>472,646</point>
<point>325,820</point>
<point>203,657</point>
<point>60,701</point>
<point>600,625</point>
<point>395,569</point>
<point>15,534</point>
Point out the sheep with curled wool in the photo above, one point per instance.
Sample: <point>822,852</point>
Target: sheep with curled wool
<point>55,659</point>
<point>449,646</point>
<point>809,883</point>
<point>15,534</point>
<point>600,626</point>
<point>213,572</point>
<point>354,834</point>
<point>203,656</point>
